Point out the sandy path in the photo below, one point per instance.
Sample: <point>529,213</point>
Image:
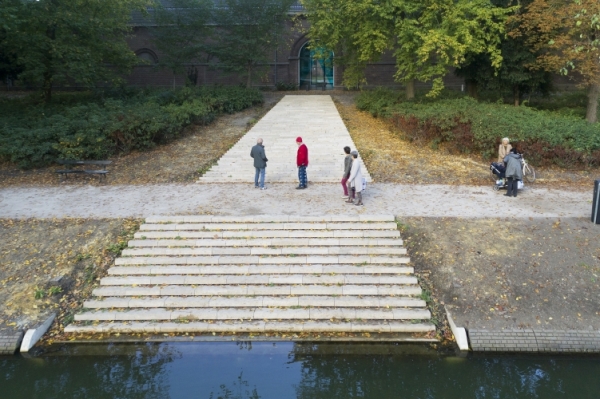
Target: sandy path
<point>242,199</point>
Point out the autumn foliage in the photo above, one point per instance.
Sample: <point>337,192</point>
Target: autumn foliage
<point>566,35</point>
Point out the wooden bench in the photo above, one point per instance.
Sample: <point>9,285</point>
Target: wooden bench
<point>70,164</point>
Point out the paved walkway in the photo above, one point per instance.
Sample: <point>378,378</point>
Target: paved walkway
<point>315,119</point>
<point>282,199</point>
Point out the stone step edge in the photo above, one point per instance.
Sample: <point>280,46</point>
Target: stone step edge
<point>329,226</point>
<point>262,251</point>
<point>296,280</point>
<point>221,302</point>
<point>250,289</point>
<point>269,234</point>
<point>263,313</point>
<point>265,242</point>
<point>254,327</point>
<point>258,270</point>
<point>262,260</point>
<point>268,218</point>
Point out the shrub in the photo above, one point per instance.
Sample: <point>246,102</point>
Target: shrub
<point>96,126</point>
<point>467,126</point>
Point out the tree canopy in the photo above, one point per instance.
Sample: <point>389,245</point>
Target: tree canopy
<point>426,37</point>
<point>68,41</point>
<point>566,33</point>
<point>246,34</point>
<point>181,32</point>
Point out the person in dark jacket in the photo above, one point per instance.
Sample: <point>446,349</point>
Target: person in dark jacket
<point>302,163</point>
<point>514,172</point>
<point>260,164</point>
<point>346,175</point>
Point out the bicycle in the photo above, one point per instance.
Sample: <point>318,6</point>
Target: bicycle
<point>528,170</point>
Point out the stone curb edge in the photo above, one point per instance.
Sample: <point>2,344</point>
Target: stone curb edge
<point>535,340</point>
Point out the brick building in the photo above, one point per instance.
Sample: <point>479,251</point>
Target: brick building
<point>292,63</point>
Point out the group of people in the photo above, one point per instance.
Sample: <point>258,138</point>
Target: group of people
<point>513,171</point>
<point>352,179</point>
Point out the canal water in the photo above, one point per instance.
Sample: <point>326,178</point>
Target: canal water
<point>291,370</point>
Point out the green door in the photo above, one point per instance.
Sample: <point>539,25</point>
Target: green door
<point>316,68</point>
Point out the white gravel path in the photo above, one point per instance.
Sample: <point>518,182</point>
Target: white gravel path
<point>283,199</point>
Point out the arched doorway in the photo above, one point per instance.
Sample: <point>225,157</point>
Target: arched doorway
<point>316,68</point>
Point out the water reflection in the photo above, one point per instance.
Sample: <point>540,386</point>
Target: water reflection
<point>304,371</point>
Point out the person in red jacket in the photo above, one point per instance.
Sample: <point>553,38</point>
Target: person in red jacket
<point>302,163</point>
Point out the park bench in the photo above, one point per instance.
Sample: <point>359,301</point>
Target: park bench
<point>70,164</point>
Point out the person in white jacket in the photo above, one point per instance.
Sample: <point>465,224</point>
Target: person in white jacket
<point>356,179</point>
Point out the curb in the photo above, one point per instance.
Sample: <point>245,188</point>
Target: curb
<point>9,343</point>
<point>460,334</point>
<point>32,336</point>
<point>535,340</point>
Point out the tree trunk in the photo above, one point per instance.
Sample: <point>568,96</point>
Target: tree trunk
<point>592,105</point>
<point>516,95</point>
<point>410,89</point>
<point>47,85</point>
<point>472,88</point>
<point>249,79</point>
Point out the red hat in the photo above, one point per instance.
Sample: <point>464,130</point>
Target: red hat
<point>298,139</point>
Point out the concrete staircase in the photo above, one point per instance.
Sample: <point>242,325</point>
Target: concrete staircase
<point>259,275</point>
<point>315,119</point>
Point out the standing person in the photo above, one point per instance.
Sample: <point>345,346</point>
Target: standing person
<point>302,163</point>
<point>514,172</point>
<point>504,149</point>
<point>260,164</point>
<point>347,167</point>
<point>356,179</point>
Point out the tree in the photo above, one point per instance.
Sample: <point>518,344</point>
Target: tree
<point>8,59</point>
<point>71,41</point>
<point>566,33</point>
<point>247,32</point>
<point>181,32</point>
<point>426,37</point>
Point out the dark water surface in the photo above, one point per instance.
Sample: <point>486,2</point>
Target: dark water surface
<point>287,370</point>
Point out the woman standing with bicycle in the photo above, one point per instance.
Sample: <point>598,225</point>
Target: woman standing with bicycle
<point>514,172</point>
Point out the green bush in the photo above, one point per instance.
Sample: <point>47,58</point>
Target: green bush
<point>96,126</point>
<point>468,126</point>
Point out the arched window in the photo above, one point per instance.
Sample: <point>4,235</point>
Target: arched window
<point>316,67</point>
<point>146,56</point>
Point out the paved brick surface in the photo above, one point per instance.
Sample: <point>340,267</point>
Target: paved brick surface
<point>10,342</point>
<point>534,340</point>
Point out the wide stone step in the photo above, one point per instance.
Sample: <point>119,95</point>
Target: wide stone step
<point>267,226</point>
<point>257,327</point>
<point>262,260</point>
<point>268,218</point>
<point>255,314</point>
<point>265,251</point>
<point>270,234</point>
<point>268,242</point>
<point>258,279</point>
<point>258,289</point>
<point>256,301</point>
<point>259,269</point>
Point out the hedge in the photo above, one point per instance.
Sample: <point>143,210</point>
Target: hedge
<point>467,126</point>
<point>96,127</point>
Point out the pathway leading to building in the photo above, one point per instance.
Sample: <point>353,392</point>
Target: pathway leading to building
<point>315,119</point>
<point>261,275</point>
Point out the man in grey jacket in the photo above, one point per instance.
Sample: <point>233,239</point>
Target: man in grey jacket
<point>260,164</point>
<point>514,172</point>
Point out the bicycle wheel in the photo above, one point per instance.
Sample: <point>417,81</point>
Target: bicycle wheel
<point>529,173</point>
